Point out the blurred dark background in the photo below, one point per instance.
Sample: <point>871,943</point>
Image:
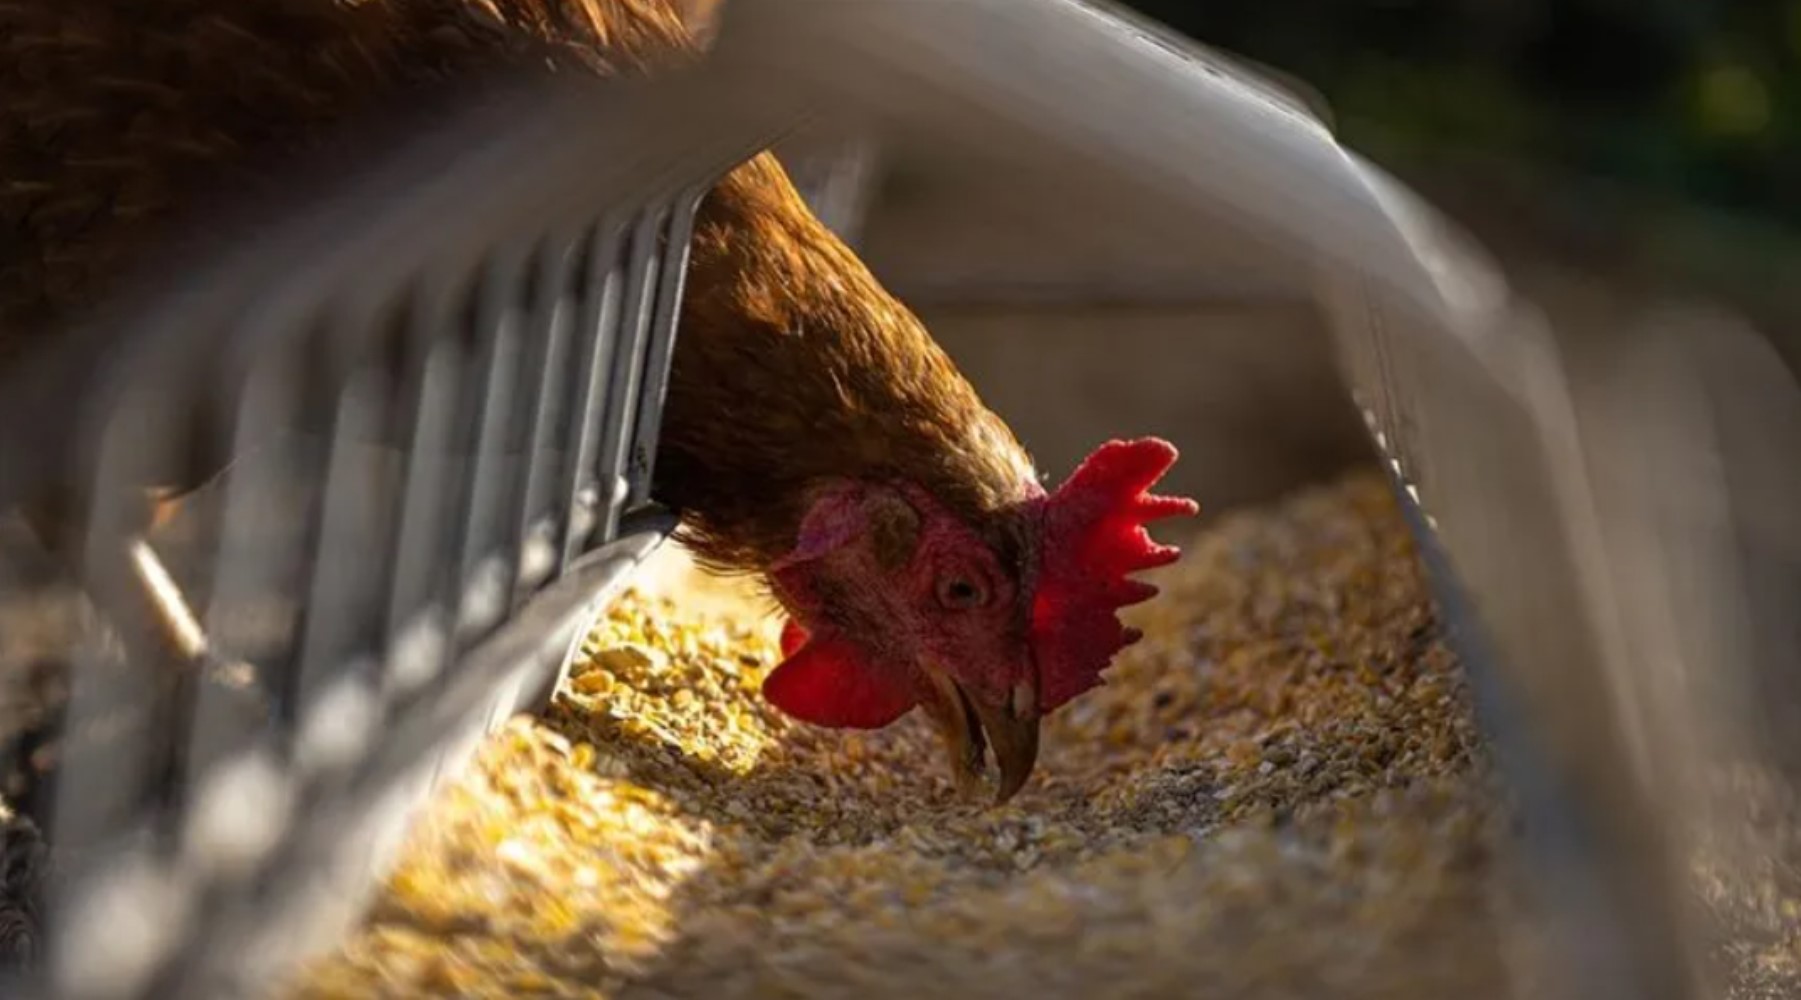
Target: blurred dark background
<point>1661,136</point>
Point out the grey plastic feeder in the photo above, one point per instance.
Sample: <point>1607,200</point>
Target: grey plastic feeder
<point>1034,177</point>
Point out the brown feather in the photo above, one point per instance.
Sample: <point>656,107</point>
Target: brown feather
<point>796,367</point>
<point>120,118</point>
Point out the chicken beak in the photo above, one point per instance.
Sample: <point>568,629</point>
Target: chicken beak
<point>1012,731</point>
<point>971,725</point>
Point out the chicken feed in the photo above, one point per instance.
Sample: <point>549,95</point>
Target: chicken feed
<point>1279,792</point>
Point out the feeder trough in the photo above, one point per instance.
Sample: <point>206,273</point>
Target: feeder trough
<point>435,383</point>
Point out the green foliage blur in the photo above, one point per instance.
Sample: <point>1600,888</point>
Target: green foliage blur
<point>1697,101</point>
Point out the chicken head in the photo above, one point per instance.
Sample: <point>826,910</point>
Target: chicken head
<point>895,603</point>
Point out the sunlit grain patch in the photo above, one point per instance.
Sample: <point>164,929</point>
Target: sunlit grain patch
<point>1278,789</point>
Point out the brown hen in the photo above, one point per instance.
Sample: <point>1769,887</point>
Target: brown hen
<point>814,434</point>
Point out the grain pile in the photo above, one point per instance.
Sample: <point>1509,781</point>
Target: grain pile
<point>1278,793</point>
<point>1747,870</point>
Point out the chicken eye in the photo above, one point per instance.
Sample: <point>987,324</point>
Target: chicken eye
<point>960,593</point>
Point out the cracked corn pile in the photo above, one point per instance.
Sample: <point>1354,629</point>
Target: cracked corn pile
<point>1278,793</point>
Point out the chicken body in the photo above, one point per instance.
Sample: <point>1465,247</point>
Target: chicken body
<point>814,432</point>
<point>122,117</point>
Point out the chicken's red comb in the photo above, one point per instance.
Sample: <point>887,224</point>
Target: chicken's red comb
<point>1093,536</point>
